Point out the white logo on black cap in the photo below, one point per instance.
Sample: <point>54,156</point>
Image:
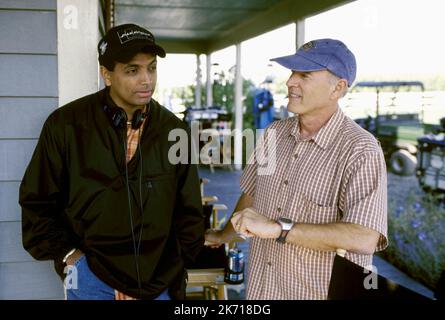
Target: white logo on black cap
<point>103,48</point>
<point>131,34</point>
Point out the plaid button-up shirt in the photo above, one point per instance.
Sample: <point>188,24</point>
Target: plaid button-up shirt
<point>133,140</point>
<point>338,175</point>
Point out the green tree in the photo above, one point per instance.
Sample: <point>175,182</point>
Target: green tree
<point>223,95</point>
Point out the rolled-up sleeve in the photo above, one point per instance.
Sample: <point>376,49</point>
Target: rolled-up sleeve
<point>366,195</point>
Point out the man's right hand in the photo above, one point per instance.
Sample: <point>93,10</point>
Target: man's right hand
<point>214,238</point>
<point>74,257</point>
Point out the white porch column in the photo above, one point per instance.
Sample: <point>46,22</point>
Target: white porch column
<point>299,25</point>
<point>209,83</point>
<point>198,82</point>
<point>238,109</point>
<point>77,38</point>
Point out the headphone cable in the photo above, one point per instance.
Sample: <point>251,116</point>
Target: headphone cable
<point>135,250</point>
<point>140,194</point>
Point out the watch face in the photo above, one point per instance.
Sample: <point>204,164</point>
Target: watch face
<point>286,224</point>
<point>285,220</point>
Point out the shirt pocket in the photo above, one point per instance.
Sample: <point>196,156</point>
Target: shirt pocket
<point>158,180</point>
<point>158,184</point>
<point>315,213</point>
<point>159,192</point>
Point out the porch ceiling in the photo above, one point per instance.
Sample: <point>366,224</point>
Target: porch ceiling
<point>204,26</point>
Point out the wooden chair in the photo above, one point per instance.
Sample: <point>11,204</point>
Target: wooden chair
<point>210,279</point>
<point>207,200</point>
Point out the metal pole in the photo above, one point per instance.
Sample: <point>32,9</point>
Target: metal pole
<point>209,84</point>
<point>299,33</point>
<point>377,114</point>
<point>109,14</point>
<point>238,110</point>
<point>198,83</point>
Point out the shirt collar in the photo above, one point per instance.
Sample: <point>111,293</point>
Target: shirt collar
<point>326,135</point>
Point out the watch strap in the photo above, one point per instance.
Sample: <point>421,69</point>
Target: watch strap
<point>282,237</point>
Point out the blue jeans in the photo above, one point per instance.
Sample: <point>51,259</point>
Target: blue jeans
<point>86,286</point>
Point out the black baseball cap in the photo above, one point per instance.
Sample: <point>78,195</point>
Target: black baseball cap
<point>122,42</point>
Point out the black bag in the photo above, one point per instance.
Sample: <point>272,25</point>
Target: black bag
<point>209,258</point>
<point>348,279</point>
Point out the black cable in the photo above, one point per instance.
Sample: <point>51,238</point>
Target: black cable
<point>140,194</point>
<point>141,205</point>
<point>135,250</point>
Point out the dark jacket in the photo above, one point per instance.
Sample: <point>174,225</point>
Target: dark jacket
<point>74,194</point>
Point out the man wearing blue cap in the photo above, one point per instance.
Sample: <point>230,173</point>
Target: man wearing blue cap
<point>327,190</point>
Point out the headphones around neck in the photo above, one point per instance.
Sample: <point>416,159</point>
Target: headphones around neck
<point>118,117</point>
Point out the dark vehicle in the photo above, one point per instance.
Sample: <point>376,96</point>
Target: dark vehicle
<point>431,158</point>
<point>397,131</point>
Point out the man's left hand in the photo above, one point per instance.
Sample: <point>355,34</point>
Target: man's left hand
<point>249,223</point>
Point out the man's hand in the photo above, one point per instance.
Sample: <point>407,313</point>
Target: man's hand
<point>122,296</point>
<point>249,223</point>
<point>214,238</point>
<point>74,257</point>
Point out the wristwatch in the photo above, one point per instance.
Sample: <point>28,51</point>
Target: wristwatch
<point>286,224</point>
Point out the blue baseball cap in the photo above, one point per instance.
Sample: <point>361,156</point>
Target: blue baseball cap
<point>322,54</point>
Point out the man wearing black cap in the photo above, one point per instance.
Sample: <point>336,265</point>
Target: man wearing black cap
<point>100,196</point>
<point>324,188</point>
